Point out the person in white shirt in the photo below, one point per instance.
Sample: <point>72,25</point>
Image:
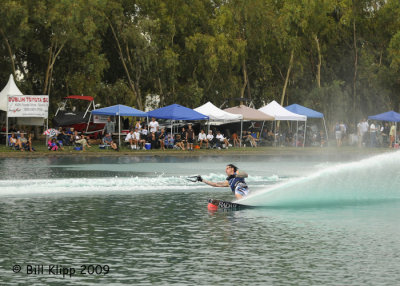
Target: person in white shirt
<point>136,139</point>
<point>143,137</point>
<point>210,137</point>
<point>222,139</point>
<point>364,130</point>
<point>372,134</point>
<point>129,139</point>
<point>202,138</point>
<point>154,126</point>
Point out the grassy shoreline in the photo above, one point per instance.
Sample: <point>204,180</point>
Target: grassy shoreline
<point>41,151</point>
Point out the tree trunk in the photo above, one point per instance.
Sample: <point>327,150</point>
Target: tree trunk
<point>319,61</point>
<point>287,77</point>
<point>9,51</point>
<point>244,81</point>
<point>355,71</point>
<point>124,65</point>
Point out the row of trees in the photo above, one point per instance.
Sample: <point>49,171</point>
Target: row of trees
<point>341,57</point>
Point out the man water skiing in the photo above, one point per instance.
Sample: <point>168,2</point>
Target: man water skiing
<point>235,181</point>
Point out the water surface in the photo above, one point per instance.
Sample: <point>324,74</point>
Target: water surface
<point>324,221</point>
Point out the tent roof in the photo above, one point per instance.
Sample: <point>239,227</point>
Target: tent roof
<point>217,114</point>
<point>391,116</point>
<point>177,112</point>
<point>119,110</point>
<point>299,109</point>
<point>249,113</point>
<point>82,97</point>
<point>10,89</point>
<point>280,113</point>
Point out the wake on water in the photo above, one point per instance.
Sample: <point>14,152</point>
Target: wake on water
<point>374,179</point>
<point>84,186</point>
<point>370,180</point>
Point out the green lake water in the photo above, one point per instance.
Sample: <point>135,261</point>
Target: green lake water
<point>137,221</point>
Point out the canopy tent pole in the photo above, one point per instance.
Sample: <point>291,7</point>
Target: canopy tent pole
<point>262,127</point>
<point>88,123</point>
<point>241,132</point>
<point>297,132</point>
<point>119,130</point>
<point>326,132</point>
<point>6,128</point>
<point>47,127</point>
<point>172,131</point>
<point>305,130</point>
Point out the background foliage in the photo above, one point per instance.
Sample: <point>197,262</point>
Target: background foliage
<point>340,57</point>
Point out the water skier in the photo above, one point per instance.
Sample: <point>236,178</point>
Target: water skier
<point>235,181</point>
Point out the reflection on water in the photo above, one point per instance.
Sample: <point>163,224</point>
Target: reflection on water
<point>165,236</point>
<point>173,239</point>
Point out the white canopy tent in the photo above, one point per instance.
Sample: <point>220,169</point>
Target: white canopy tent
<point>216,115</point>
<point>280,113</point>
<point>11,91</point>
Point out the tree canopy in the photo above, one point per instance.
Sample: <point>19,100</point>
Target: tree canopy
<point>340,57</point>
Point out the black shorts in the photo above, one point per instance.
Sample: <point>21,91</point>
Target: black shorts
<point>190,140</point>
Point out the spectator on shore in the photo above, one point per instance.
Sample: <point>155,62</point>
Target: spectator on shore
<point>107,140</point>
<point>178,142</point>
<point>364,126</point>
<point>12,141</point>
<point>136,139</point>
<point>392,134</point>
<point>161,139</point>
<point>143,137</point>
<point>183,136</point>
<point>81,140</point>
<point>130,139</point>
<point>190,137</point>
<point>169,141</point>
<point>52,144</point>
<point>23,142</point>
<point>372,135</point>
<point>338,134</point>
<point>202,138</point>
<point>385,130</point>
<point>154,126</point>
<point>222,139</point>
<point>235,139</point>
<point>109,127</point>
<point>210,138</point>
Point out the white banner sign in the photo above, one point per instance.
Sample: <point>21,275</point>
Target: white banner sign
<point>100,118</point>
<point>28,106</point>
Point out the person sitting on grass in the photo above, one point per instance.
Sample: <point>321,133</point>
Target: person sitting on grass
<point>52,144</point>
<point>81,140</point>
<point>14,142</point>
<point>178,142</point>
<point>107,140</point>
<point>161,139</point>
<point>169,141</point>
<point>30,143</point>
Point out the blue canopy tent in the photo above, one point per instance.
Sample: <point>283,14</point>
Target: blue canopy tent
<point>310,113</point>
<point>177,112</point>
<point>119,110</point>
<point>390,116</point>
